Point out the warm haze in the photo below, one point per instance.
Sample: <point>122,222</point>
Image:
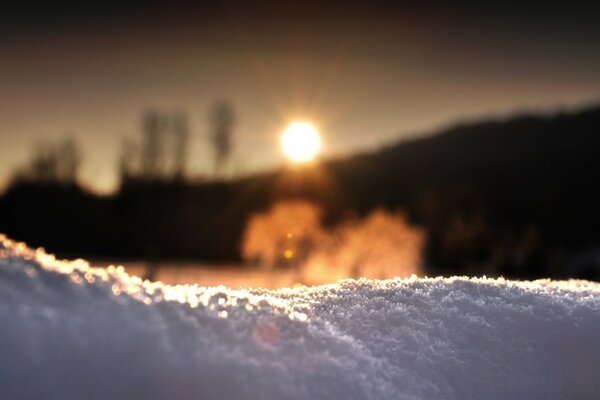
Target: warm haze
<point>368,73</point>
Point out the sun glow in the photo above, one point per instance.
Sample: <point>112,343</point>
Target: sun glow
<point>300,142</point>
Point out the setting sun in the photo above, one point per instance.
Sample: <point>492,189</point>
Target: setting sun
<point>300,141</point>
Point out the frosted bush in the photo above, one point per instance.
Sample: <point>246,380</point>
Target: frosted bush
<point>287,231</point>
<point>381,245</point>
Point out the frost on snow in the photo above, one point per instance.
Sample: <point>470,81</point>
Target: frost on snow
<point>68,331</point>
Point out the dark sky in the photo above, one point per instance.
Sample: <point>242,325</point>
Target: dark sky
<point>366,73</point>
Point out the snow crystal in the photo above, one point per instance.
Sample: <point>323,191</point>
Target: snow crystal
<point>69,331</point>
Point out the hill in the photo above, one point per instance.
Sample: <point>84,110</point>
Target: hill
<point>528,179</point>
<point>515,197</point>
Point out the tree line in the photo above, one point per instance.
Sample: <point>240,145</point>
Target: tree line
<point>515,197</point>
<point>160,155</point>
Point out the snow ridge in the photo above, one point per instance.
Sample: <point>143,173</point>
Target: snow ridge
<point>69,331</point>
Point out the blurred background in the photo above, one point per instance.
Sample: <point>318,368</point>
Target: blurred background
<point>295,142</point>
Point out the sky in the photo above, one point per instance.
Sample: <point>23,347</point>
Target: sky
<point>365,73</point>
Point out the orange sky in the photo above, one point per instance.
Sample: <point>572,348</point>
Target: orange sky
<point>365,75</point>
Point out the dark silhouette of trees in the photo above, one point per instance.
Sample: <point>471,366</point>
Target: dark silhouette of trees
<point>162,154</point>
<point>222,120</point>
<point>153,155</point>
<point>128,167</point>
<point>69,160</point>
<point>180,145</point>
<point>52,163</point>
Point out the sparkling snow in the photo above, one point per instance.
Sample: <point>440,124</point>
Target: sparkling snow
<point>69,331</point>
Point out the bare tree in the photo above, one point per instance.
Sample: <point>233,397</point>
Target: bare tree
<point>128,159</point>
<point>42,167</point>
<point>153,147</point>
<point>162,155</point>
<point>53,163</point>
<point>68,160</point>
<point>222,122</point>
<point>180,145</point>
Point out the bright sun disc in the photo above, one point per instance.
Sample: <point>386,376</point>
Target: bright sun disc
<point>300,142</point>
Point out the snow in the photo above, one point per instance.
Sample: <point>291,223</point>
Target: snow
<point>69,331</point>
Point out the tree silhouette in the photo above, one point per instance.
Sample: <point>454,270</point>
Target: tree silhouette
<point>153,146</point>
<point>68,160</point>
<point>128,159</point>
<point>52,163</point>
<point>162,154</point>
<point>222,122</point>
<point>180,145</point>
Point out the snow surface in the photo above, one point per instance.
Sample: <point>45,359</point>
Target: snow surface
<point>68,331</point>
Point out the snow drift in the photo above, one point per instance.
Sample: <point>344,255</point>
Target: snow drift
<point>69,331</point>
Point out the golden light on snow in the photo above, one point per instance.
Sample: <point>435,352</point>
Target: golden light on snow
<point>301,141</point>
